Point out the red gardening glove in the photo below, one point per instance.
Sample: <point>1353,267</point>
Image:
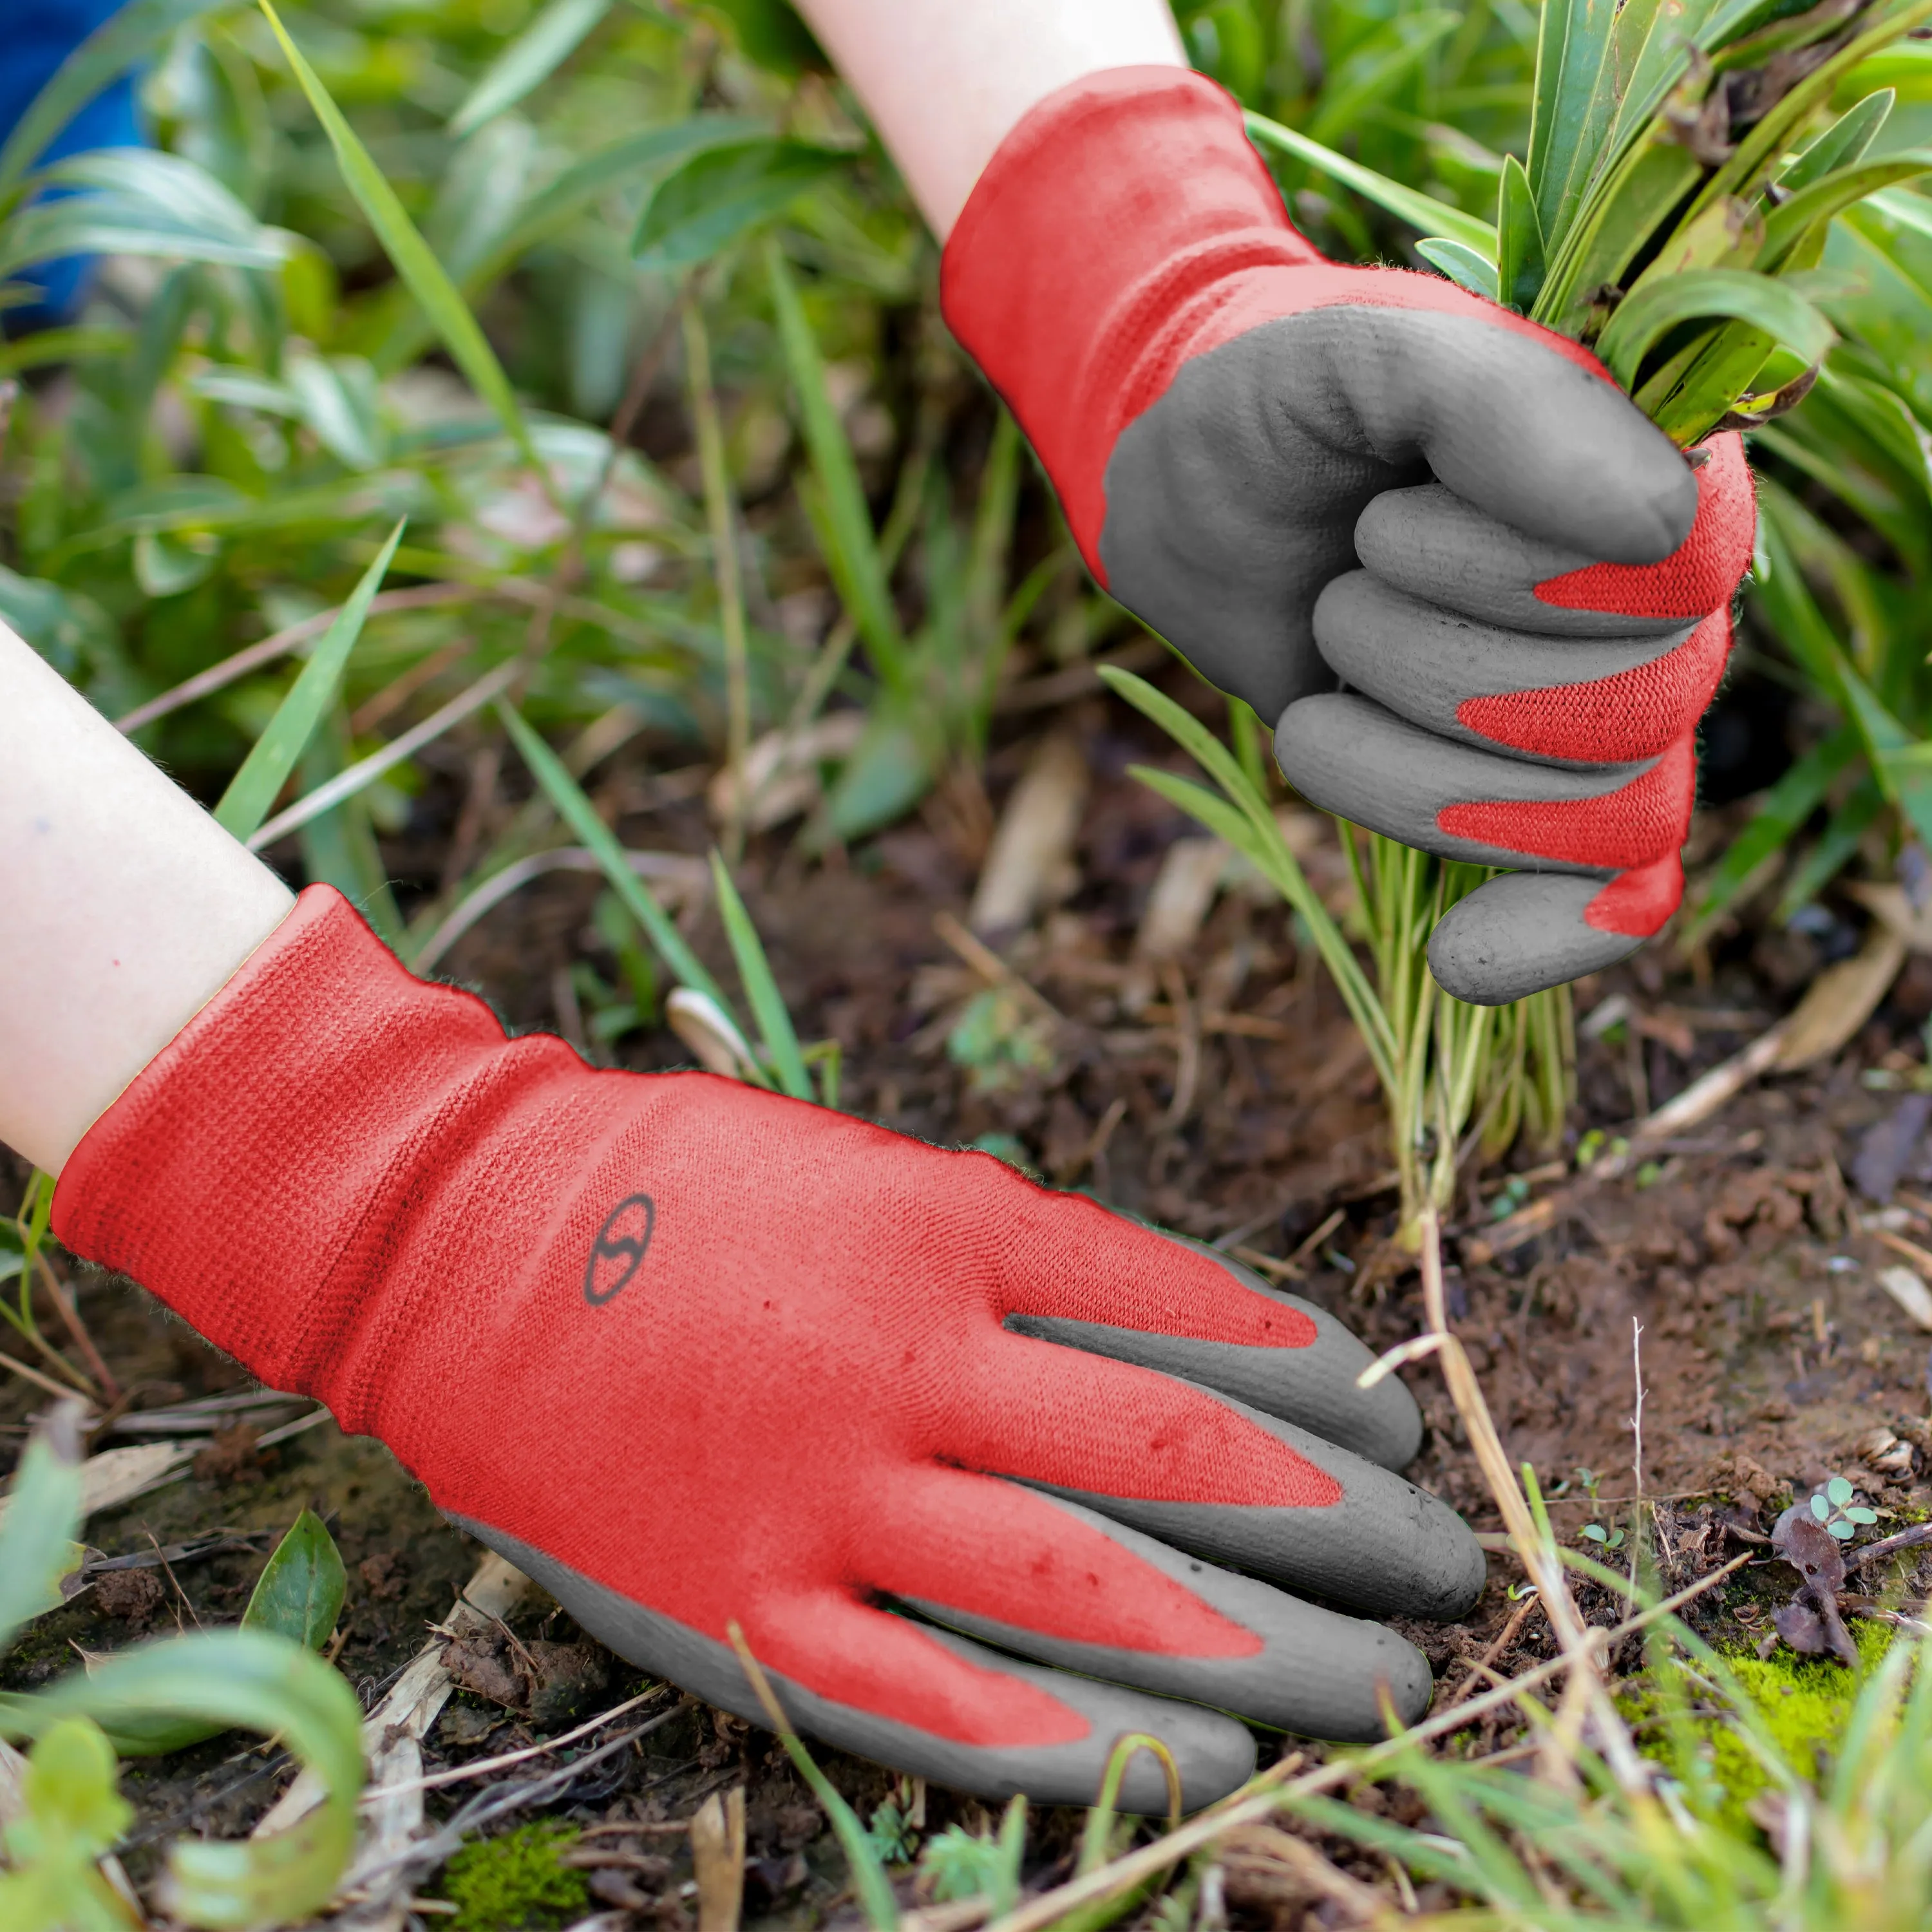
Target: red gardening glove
<point>688,1352</point>
<point>1232,423</point>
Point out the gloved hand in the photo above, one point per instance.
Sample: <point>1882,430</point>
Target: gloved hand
<point>1220,409</point>
<point>688,1352</point>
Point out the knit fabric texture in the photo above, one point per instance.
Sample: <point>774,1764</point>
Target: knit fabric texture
<point>1125,226</point>
<point>726,1353</point>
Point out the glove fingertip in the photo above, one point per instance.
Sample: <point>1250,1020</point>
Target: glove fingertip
<point>1522,933</point>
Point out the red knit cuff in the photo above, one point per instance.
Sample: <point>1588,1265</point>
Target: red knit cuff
<point>1106,219</point>
<point>251,1174</point>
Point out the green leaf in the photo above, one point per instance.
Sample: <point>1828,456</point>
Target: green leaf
<point>1643,319</point>
<point>1474,271</point>
<point>1573,104</point>
<point>1786,806</point>
<point>887,772</point>
<point>123,40</point>
<point>768,1007</point>
<point>1905,68</point>
<point>1843,144</point>
<point>528,61</point>
<point>42,1515</point>
<point>396,330</point>
<point>771,35</point>
<point>1787,225</point>
<point>1838,1492</point>
<point>410,255</point>
<point>721,195</point>
<point>1419,211</point>
<point>299,1593</point>
<point>129,201</point>
<point>580,815</point>
<point>1519,262</point>
<point>253,790</point>
<point>1376,68</point>
<point>298,1596</point>
<point>1617,220</point>
<point>851,548</point>
<point>69,1813</point>
<point>262,1683</point>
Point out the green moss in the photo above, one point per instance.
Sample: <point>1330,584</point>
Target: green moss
<point>1805,1703</point>
<point>514,1883</point>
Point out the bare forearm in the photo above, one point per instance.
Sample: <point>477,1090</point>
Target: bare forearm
<point>944,80</point>
<point>123,909</point>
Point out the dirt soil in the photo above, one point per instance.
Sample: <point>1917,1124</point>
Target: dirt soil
<point>1224,1096</point>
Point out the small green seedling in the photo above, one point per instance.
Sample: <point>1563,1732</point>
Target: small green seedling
<point>1515,1193</point>
<point>891,1831</point>
<point>1607,1539</point>
<point>1833,1507</point>
<point>959,1863</point>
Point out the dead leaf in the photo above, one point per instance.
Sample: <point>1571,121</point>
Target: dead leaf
<point>1031,861</point>
<point>718,1859</point>
<point>1840,999</point>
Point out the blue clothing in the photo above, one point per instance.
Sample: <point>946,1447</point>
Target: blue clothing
<point>35,36</point>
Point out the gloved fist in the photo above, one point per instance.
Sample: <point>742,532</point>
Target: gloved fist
<point>688,1352</point>
<point>1510,703</point>
<point>1223,413</point>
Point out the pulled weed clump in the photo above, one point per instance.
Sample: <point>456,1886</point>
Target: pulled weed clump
<point>1684,168</point>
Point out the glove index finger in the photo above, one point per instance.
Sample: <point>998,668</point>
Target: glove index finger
<point>1524,426</point>
<point>1448,551</point>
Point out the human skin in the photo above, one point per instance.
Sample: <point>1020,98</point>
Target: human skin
<point>126,906</point>
<point>945,81</point>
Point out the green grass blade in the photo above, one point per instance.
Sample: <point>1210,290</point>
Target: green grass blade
<point>1461,264</point>
<point>1419,211</point>
<point>720,196</point>
<point>411,255</point>
<point>1520,254</point>
<point>1643,319</point>
<point>1786,806</point>
<point>1831,194</point>
<point>776,1030</point>
<point>253,789</point>
<point>1272,858</point>
<point>394,330</point>
<point>853,555</point>
<point>1843,144</point>
<point>580,815</point>
<point>870,1879</point>
<point>528,61</point>
<point>122,41</point>
<point>1837,845</point>
<point>42,1515</point>
<point>1574,105</point>
<point>1365,80</point>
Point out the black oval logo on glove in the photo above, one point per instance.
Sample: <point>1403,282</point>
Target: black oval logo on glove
<point>618,1251</point>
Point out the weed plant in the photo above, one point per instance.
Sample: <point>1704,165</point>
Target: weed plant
<point>160,1697</point>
